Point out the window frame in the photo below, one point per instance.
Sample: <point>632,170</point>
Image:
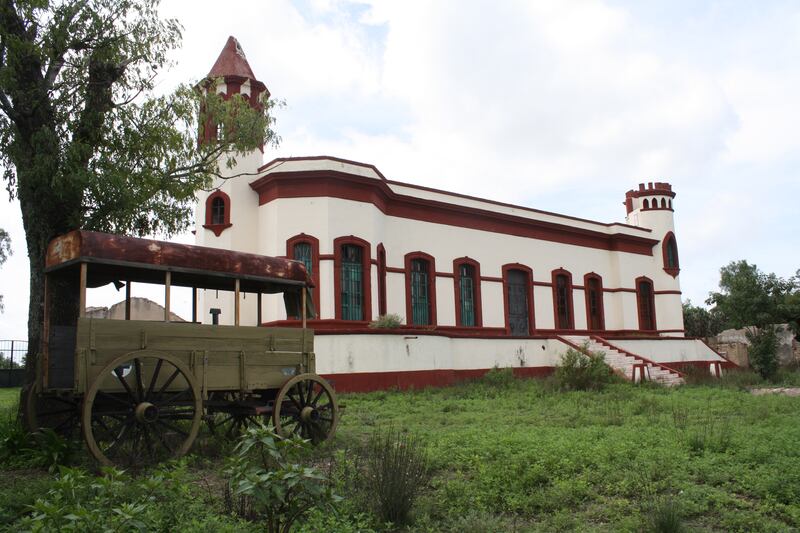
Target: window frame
<point>530,293</point>
<point>665,243</point>
<point>601,304</point>
<point>366,277</point>
<point>476,290</point>
<point>570,300</point>
<point>218,228</point>
<point>431,271</point>
<point>651,301</point>
<point>303,238</point>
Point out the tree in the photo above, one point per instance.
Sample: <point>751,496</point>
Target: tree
<point>749,297</point>
<point>5,251</point>
<point>87,143</point>
<point>700,322</point>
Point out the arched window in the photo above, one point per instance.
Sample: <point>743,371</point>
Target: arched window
<point>670,204</point>
<point>351,265</point>
<point>518,299</point>
<point>420,289</point>
<point>562,299</point>
<point>593,289</point>
<point>663,203</point>
<point>670,255</point>
<point>218,212</point>
<point>467,277</point>
<point>305,248</point>
<point>646,204</point>
<point>645,301</point>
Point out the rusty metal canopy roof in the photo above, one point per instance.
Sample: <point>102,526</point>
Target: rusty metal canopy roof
<point>121,258</point>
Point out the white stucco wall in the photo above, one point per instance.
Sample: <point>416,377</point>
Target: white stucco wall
<point>669,350</point>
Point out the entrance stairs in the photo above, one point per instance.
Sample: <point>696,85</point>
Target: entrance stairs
<point>634,367</point>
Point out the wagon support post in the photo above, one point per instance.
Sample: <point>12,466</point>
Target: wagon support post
<point>167,287</point>
<point>237,292</point>
<point>127,300</point>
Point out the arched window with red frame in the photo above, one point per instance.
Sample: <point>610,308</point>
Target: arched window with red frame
<point>518,299</point>
<point>305,248</point>
<point>218,212</point>
<point>646,204</point>
<point>593,291</point>
<point>420,289</point>
<point>562,299</point>
<point>467,284</point>
<point>352,278</point>
<point>669,251</point>
<point>646,304</point>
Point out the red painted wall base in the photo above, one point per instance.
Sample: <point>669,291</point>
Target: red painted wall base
<point>418,379</point>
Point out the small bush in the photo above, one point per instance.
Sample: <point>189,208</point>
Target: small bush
<point>663,515</point>
<point>763,351</point>
<point>498,377</point>
<point>579,371</point>
<point>387,321</point>
<point>397,470</point>
<point>267,481</point>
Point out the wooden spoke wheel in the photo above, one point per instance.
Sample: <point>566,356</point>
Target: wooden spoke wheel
<point>228,417</point>
<point>59,412</point>
<point>141,409</point>
<point>306,406</point>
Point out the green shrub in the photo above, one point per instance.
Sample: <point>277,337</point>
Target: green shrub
<point>397,469</point>
<point>276,487</point>
<point>663,515</point>
<point>387,321</point>
<point>763,351</point>
<point>578,371</point>
<point>498,377</point>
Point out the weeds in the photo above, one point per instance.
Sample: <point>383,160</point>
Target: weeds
<point>387,321</point>
<point>663,515</point>
<point>579,371</point>
<point>397,469</point>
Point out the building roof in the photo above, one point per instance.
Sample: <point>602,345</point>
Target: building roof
<point>232,62</point>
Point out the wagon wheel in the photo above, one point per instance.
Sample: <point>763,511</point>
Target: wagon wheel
<point>57,412</point>
<point>229,422</point>
<point>306,406</point>
<point>142,408</point>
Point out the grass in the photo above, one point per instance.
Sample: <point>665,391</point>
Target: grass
<point>516,455</point>
<point>8,398</point>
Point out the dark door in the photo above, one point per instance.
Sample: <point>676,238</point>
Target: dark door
<point>646,306</point>
<point>518,319</point>
<point>595,303</point>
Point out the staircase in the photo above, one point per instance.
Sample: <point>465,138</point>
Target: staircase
<point>633,367</point>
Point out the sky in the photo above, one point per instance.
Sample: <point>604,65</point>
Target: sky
<point>557,105</point>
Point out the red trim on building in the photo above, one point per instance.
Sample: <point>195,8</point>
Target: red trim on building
<point>651,189</point>
<point>380,251</point>
<point>431,285</point>
<point>665,242</point>
<point>601,305</point>
<point>335,184</point>
<point>366,287</point>
<point>652,304</point>
<point>476,296</point>
<point>314,243</point>
<point>667,292</point>
<point>570,325</point>
<point>531,318</point>
<point>492,279</point>
<point>218,228</point>
<point>419,379</point>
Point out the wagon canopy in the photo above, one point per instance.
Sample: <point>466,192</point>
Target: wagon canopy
<point>116,258</point>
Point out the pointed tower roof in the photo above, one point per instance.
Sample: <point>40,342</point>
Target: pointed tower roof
<point>232,62</point>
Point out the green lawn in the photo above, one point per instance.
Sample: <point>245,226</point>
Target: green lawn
<point>8,397</point>
<point>516,455</point>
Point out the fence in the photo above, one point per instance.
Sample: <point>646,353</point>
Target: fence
<point>12,362</point>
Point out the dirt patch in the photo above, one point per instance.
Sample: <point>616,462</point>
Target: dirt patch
<point>786,391</point>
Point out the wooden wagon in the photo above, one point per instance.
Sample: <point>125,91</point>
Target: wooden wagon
<point>140,390</point>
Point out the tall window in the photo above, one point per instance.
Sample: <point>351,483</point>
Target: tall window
<point>646,304</point>
<point>518,299</point>
<point>420,289</point>
<point>466,278</point>
<point>562,294</point>
<point>593,287</point>
<point>352,283</point>
<point>218,211</point>
<point>670,253</point>
<point>305,248</point>
<point>420,293</point>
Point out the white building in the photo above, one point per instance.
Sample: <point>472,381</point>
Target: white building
<point>478,283</point>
